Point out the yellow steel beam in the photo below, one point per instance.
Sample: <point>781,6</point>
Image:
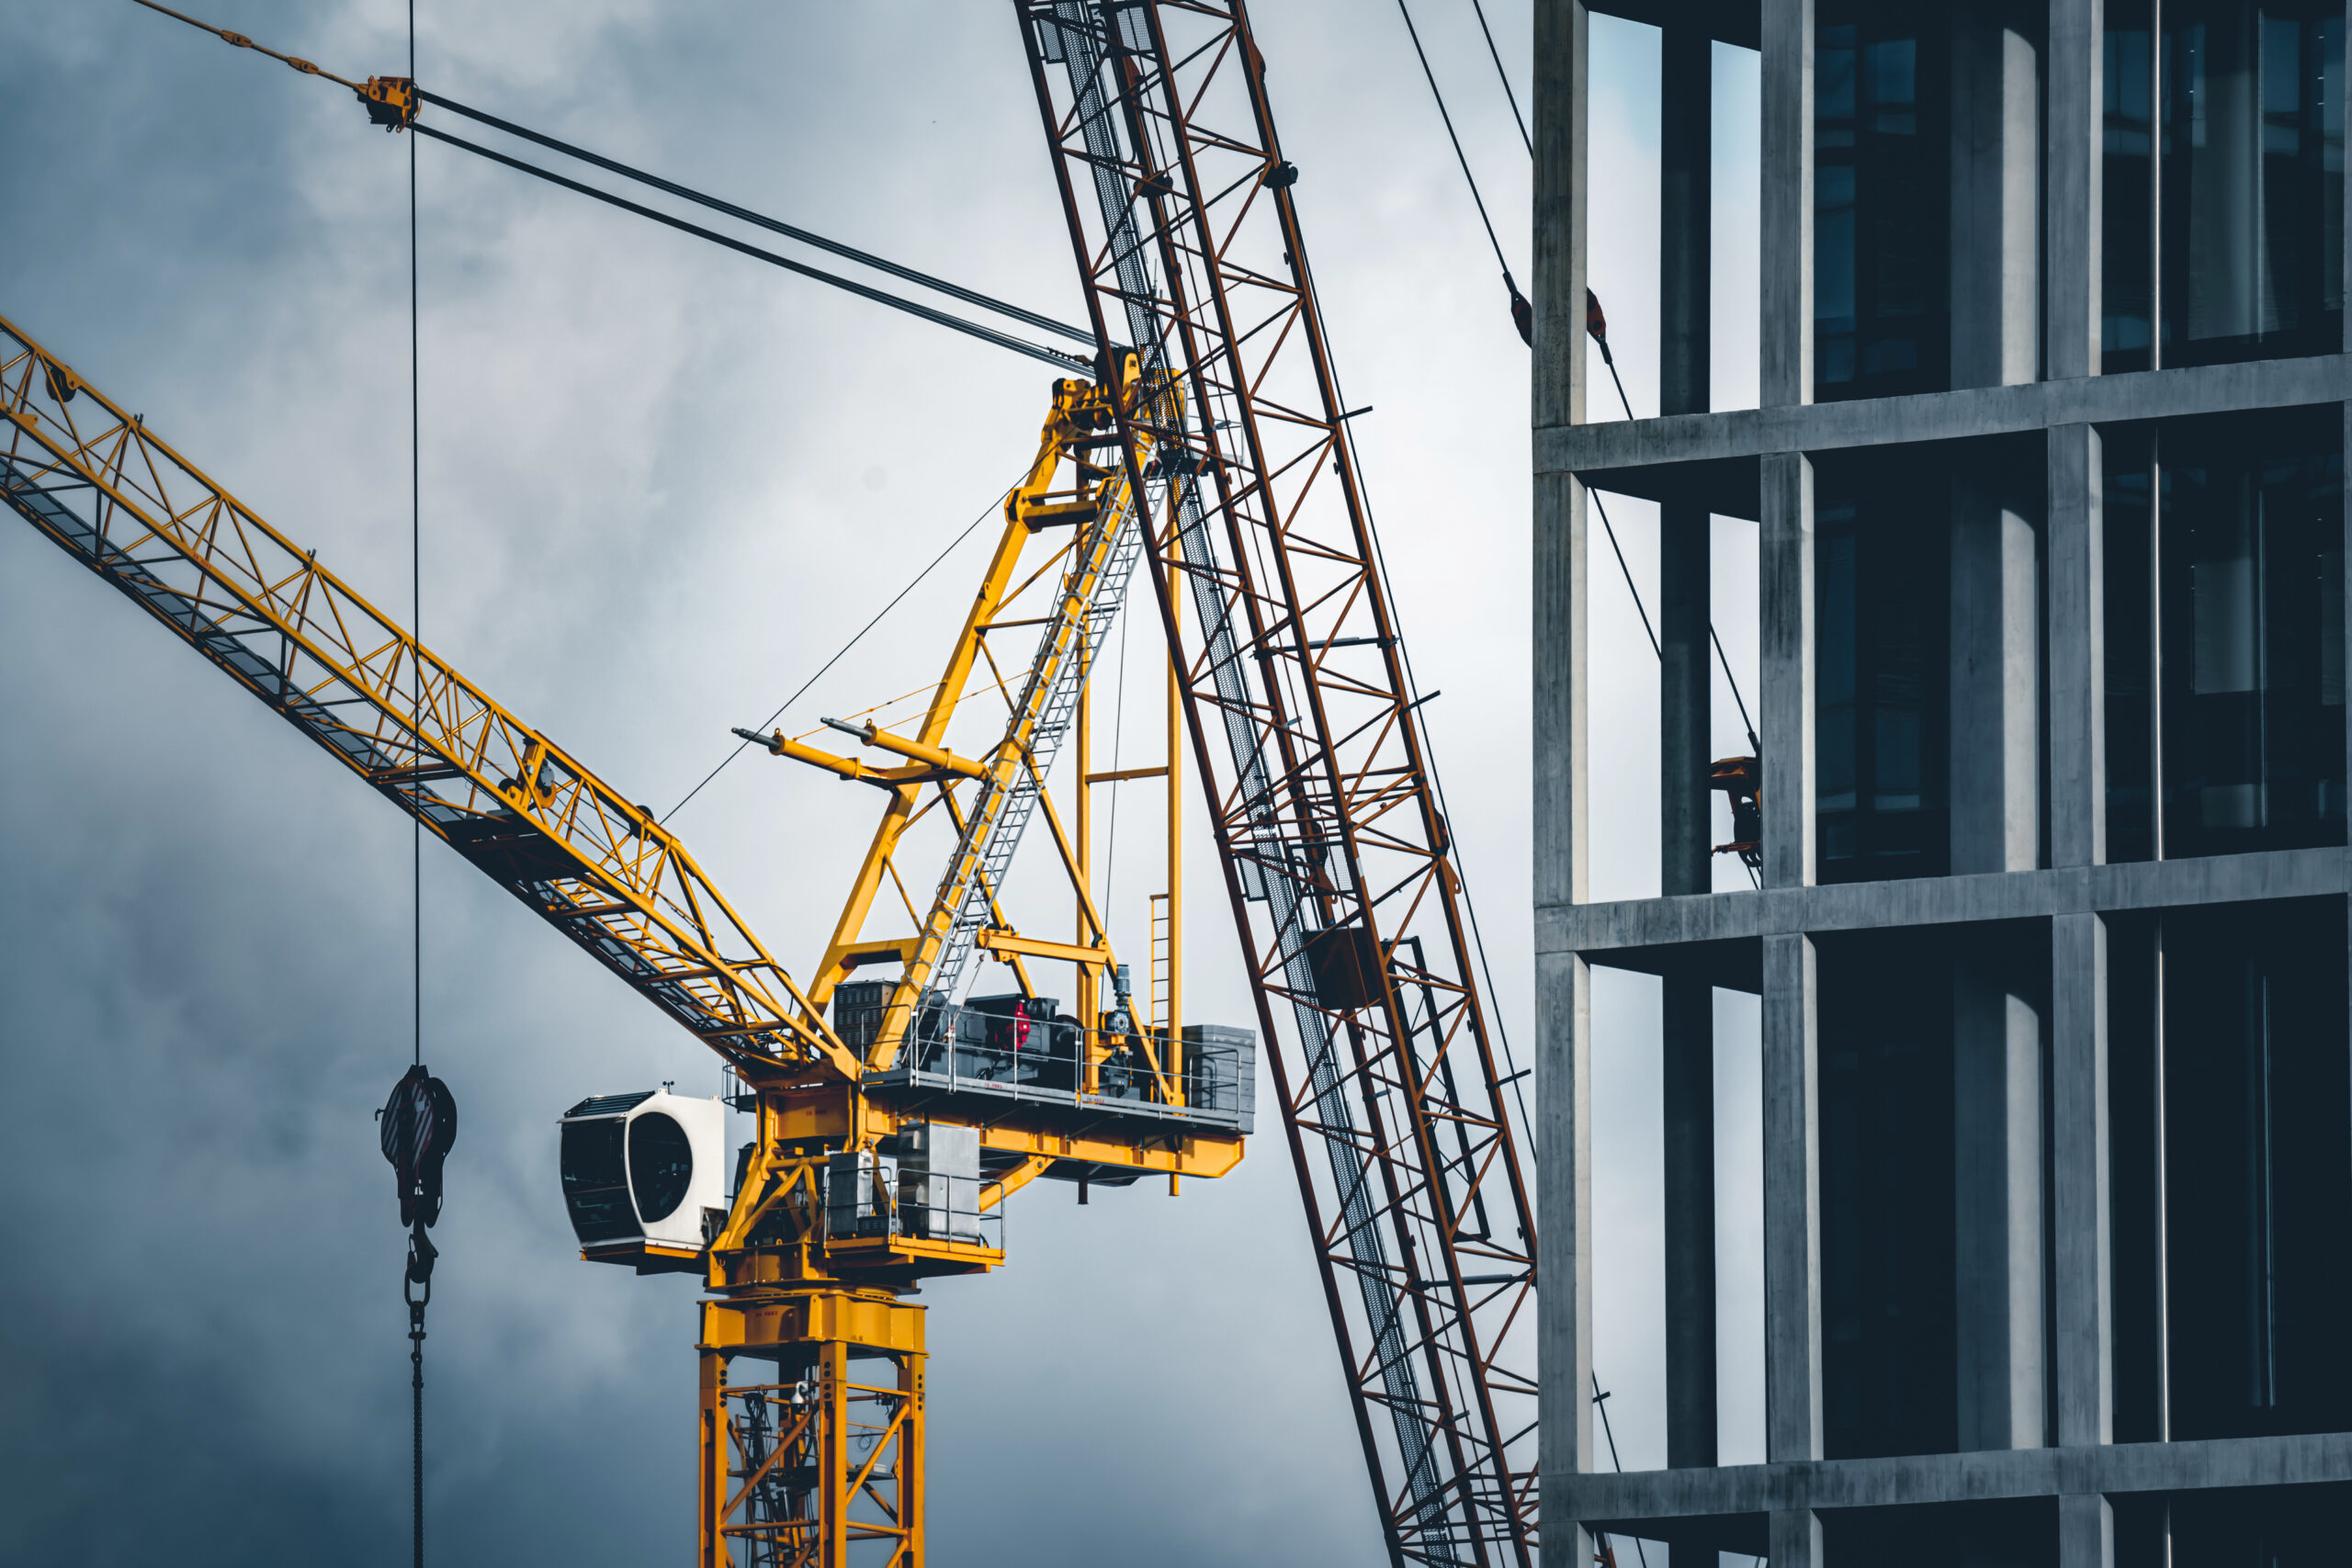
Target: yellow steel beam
<point>1033,947</point>
<point>99,484</point>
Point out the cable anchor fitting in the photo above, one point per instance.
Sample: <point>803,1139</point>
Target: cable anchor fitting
<point>390,101</point>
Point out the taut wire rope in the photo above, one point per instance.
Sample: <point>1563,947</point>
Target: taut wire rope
<point>416,818</point>
<point>803,689</point>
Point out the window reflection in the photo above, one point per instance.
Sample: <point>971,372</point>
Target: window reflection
<point>2251,522</point>
<point>2230,216</point>
<point>1882,321</point>
<point>1882,576</point>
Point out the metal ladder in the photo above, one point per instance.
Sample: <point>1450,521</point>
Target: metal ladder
<point>1093,591</point>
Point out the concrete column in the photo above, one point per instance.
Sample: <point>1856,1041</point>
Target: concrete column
<point>2087,1533</point>
<point>1686,161</point>
<point>1784,327</point>
<point>2085,1349</point>
<point>1563,1007</point>
<point>1996,675</point>
<point>1561,688</point>
<point>2076,110</point>
<point>1686,810</point>
<point>2077,647</point>
<point>1997,1127</point>
<point>1785,579</point>
<point>1564,1192</point>
<point>1562,137</point>
<point>1791,1203</point>
<point>1795,1538</point>
<point>1689,1152</point>
<point>1995,195</point>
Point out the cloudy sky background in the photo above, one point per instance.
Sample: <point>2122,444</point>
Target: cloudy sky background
<point>661,485</point>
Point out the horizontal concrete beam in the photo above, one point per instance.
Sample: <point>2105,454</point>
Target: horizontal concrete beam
<point>1627,1503</point>
<point>1594,929</point>
<point>1591,450</point>
<point>1729,21</point>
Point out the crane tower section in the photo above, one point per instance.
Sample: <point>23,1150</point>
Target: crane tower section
<point>1339,859</point>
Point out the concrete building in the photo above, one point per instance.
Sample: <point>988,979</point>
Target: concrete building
<point>2050,935</point>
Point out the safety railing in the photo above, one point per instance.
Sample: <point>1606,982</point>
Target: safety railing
<point>1202,1073</point>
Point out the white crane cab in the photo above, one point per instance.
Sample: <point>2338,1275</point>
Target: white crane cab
<point>640,1173</point>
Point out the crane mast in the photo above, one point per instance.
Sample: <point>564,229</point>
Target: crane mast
<point>1336,852</point>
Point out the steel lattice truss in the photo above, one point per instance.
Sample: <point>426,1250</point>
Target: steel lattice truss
<point>597,868</point>
<point>1182,216</point>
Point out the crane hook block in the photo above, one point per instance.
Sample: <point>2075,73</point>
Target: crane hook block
<point>390,102</point>
<point>417,1127</point>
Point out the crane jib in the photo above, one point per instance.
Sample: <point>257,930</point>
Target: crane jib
<point>1185,232</point>
<point>103,488</point>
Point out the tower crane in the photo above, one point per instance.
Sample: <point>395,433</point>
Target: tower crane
<point>1213,447</point>
<point>888,1135</point>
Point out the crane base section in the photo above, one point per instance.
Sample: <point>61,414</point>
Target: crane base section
<point>812,1431</point>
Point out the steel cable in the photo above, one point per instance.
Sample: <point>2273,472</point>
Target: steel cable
<point>844,653</point>
<point>863,258</point>
<point>1071,363</point>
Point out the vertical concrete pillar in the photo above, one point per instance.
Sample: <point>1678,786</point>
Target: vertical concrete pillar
<point>1995,676</point>
<point>1995,195</point>
<point>2077,647</point>
<point>2086,1353</point>
<point>1785,223</point>
<point>1564,1192</point>
<point>1690,1156</point>
<point>1792,1093</point>
<point>1795,1538</point>
<point>2076,112</point>
<point>1785,574</point>
<point>1562,139</point>
<point>1686,161</point>
<point>1563,1012</point>
<point>2087,1533</point>
<point>1996,1117</point>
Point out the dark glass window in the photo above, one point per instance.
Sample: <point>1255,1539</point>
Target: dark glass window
<point>661,1165</point>
<point>1882,595</point>
<point>2127,251</point>
<point>1890,1377</point>
<point>2129,614</point>
<point>2132,1147</point>
<point>2250,527</point>
<point>2258,1169</point>
<point>595,1182</point>
<point>1881,182</point>
<point>2252,180</point>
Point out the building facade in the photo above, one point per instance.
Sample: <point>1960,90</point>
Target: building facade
<point>2050,937</point>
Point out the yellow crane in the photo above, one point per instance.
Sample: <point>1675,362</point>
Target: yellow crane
<point>889,1134</point>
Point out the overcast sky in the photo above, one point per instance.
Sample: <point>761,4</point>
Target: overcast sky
<point>661,485</point>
